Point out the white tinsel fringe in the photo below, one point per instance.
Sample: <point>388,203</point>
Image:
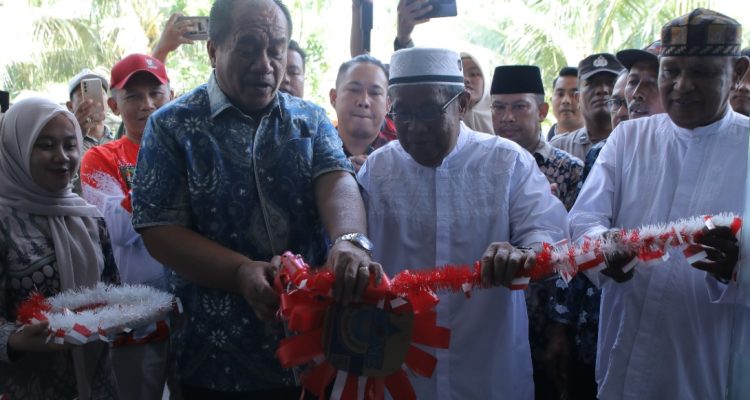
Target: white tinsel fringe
<point>657,236</point>
<point>127,307</point>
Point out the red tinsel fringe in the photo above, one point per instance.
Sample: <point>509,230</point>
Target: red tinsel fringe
<point>33,309</point>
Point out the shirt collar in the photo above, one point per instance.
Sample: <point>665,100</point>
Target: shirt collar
<point>106,135</point>
<point>218,101</point>
<point>707,130</point>
<point>368,151</point>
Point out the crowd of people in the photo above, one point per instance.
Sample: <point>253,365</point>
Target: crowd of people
<point>432,161</point>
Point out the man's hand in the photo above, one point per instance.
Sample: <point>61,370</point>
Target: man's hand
<point>90,116</point>
<point>352,267</point>
<point>33,338</point>
<point>408,17</point>
<point>255,279</point>
<point>171,37</point>
<point>501,262</point>
<point>615,263</point>
<point>358,161</point>
<point>722,250</point>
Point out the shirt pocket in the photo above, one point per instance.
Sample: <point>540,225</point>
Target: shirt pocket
<point>289,166</point>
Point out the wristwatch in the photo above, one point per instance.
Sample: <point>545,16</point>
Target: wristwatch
<point>357,239</point>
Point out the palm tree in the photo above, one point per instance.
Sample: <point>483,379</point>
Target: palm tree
<point>68,35</point>
<point>90,35</point>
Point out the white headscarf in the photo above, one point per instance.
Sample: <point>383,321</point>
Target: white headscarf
<point>479,117</point>
<point>75,232</point>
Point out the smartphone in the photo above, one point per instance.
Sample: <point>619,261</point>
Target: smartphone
<point>92,89</point>
<point>199,30</point>
<point>4,101</point>
<point>366,24</point>
<point>440,8</point>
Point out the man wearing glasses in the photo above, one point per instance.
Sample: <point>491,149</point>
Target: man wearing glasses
<point>617,104</point>
<point>440,195</point>
<point>636,92</point>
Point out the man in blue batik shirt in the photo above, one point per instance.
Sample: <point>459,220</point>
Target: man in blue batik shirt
<point>231,175</point>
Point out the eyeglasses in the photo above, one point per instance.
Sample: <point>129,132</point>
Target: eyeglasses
<point>425,115</point>
<point>614,104</point>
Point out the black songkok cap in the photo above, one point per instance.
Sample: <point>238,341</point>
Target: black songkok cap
<point>701,33</point>
<point>511,79</point>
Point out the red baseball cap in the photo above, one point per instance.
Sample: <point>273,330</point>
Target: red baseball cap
<point>133,64</point>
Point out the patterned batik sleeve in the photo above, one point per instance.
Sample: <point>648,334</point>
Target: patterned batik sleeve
<point>572,184</point>
<point>328,150</point>
<point>160,189</point>
<point>565,303</point>
<point>110,273</point>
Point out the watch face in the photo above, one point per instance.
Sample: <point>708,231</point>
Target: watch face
<point>364,242</point>
<point>358,240</point>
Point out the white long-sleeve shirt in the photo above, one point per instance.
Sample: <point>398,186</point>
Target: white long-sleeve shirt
<point>487,189</point>
<point>664,334</point>
<point>130,253</point>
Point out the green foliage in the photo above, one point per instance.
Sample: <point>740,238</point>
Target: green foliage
<point>63,46</point>
<point>310,34</point>
<point>558,34</point>
<point>189,66</point>
<point>550,34</point>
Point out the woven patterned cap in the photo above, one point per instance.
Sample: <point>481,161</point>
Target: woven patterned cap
<point>701,33</point>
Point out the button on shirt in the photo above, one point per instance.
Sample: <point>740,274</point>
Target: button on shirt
<point>246,184</point>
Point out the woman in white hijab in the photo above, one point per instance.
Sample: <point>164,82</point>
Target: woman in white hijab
<point>478,116</point>
<point>50,240</point>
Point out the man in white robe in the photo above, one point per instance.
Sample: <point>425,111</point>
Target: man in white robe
<point>440,195</point>
<point>665,328</point>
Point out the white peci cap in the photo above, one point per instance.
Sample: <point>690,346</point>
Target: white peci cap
<point>421,65</point>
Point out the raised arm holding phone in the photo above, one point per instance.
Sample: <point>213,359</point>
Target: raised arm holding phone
<point>179,30</point>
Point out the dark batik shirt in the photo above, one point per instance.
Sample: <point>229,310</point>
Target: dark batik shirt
<point>577,303</point>
<point>562,169</point>
<point>247,184</point>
